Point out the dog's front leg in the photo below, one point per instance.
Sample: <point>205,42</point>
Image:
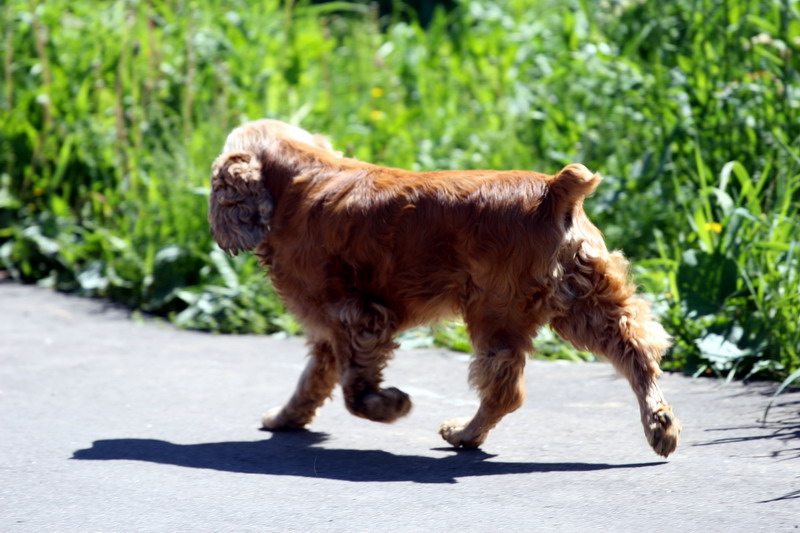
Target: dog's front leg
<point>315,386</point>
<point>363,348</point>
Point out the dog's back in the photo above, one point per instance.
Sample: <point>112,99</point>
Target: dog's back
<point>423,243</point>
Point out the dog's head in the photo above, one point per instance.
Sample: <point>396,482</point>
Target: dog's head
<point>240,205</point>
<point>261,136</point>
<point>241,201</point>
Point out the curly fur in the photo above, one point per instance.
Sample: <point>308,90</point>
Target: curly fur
<point>360,252</point>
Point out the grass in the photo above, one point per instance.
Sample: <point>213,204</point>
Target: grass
<point>112,113</point>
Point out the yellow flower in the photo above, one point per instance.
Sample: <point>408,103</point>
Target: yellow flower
<point>38,191</point>
<point>376,92</point>
<point>716,227</point>
<point>376,114</point>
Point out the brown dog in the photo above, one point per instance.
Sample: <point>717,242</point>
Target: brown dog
<point>360,252</point>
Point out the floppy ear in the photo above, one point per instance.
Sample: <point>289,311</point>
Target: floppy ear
<point>240,205</point>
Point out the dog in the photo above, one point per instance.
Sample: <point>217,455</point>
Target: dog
<point>360,252</point>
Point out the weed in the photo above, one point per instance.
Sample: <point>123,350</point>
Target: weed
<point>112,113</point>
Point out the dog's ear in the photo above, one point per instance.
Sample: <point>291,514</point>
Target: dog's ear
<point>240,205</point>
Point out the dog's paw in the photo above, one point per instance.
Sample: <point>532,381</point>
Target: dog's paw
<point>276,420</point>
<point>454,432</point>
<point>385,405</point>
<point>663,430</point>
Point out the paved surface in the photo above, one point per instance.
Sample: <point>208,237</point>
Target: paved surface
<point>109,424</point>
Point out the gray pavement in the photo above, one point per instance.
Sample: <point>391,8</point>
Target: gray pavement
<point>110,424</point>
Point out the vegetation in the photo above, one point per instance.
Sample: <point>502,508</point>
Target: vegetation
<point>113,111</point>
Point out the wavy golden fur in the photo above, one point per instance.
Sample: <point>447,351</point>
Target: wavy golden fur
<point>360,252</point>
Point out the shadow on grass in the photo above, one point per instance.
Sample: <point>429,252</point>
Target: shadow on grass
<point>298,454</point>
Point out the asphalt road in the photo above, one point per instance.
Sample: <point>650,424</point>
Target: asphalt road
<point>109,424</point>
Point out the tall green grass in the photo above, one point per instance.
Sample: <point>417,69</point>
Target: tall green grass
<point>112,113</point>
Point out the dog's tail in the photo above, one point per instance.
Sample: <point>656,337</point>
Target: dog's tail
<point>573,183</point>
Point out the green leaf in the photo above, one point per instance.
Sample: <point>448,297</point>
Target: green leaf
<point>8,200</point>
<point>222,263</point>
<point>93,277</point>
<point>794,376</point>
<point>174,268</point>
<point>706,281</point>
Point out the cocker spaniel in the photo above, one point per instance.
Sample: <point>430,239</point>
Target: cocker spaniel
<point>360,252</point>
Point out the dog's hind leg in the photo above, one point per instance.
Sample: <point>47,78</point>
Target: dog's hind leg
<point>315,386</point>
<point>606,317</point>
<point>363,348</point>
<point>496,372</point>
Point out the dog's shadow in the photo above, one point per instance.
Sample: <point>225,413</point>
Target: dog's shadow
<point>298,454</point>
